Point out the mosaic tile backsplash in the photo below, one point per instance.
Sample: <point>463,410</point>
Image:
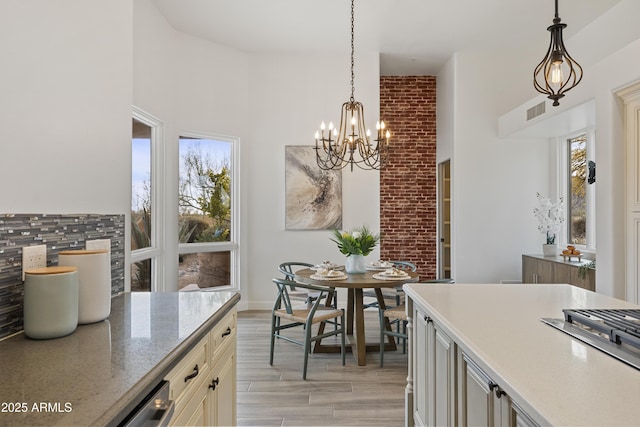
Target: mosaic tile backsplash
<point>59,233</point>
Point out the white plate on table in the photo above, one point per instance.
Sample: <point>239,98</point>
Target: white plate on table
<point>327,266</point>
<point>332,275</point>
<point>391,274</point>
<point>379,265</point>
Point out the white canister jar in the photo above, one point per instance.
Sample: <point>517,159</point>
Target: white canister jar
<point>50,302</point>
<point>94,282</point>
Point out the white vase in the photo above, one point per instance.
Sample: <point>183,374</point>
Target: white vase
<point>355,264</point>
<point>549,249</point>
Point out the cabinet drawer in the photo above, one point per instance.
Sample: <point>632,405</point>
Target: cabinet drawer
<point>194,410</point>
<point>223,334</point>
<point>188,372</point>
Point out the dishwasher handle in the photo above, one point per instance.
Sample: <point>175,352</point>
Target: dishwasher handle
<point>155,410</point>
<point>167,413</point>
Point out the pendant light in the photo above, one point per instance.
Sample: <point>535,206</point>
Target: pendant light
<point>558,72</point>
<point>350,144</point>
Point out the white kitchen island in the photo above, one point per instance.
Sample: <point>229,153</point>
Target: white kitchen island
<point>481,350</point>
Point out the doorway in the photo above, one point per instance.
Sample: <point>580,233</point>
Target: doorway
<point>444,220</point>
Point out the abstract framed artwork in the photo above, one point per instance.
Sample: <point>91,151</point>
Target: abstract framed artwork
<point>313,197</point>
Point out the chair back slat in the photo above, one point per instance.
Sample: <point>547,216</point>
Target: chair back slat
<point>283,293</point>
<point>283,297</point>
<point>405,265</point>
<point>288,268</point>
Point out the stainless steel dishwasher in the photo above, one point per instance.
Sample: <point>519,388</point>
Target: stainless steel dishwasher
<point>155,410</point>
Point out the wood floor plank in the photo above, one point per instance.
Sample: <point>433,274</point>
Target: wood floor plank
<point>332,395</point>
<point>343,422</point>
<point>274,397</point>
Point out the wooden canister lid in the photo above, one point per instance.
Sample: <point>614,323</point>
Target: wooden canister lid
<point>84,252</point>
<point>51,270</point>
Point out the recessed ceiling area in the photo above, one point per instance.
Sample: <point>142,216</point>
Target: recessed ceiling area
<point>413,37</point>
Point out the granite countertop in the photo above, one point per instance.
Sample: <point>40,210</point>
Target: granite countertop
<point>558,380</point>
<point>97,375</point>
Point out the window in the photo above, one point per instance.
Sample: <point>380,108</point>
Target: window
<point>579,195</point>
<point>207,203</point>
<point>146,201</point>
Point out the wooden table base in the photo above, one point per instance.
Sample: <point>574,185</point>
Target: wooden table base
<point>355,315</point>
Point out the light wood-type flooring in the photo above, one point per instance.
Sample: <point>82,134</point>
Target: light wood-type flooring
<point>332,395</point>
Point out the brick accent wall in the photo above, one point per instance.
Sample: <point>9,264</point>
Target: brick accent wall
<point>408,217</point>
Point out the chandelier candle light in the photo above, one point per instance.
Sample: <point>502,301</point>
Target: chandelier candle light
<point>558,72</point>
<point>350,144</point>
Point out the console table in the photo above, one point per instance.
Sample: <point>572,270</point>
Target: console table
<point>541,269</point>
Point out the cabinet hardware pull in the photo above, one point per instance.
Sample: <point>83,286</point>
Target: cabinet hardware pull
<point>227,332</point>
<point>193,375</point>
<point>499,392</point>
<point>214,383</point>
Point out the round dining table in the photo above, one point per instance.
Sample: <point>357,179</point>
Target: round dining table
<point>355,283</point>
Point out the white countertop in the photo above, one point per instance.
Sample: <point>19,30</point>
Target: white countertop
<point>557,379</point>
<point>96,375</point>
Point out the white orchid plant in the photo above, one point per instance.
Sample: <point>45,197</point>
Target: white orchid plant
<point>550,216</point>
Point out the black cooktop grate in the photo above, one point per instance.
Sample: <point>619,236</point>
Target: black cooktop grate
<point>622,326</point>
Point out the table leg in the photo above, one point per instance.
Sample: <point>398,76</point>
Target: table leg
<point>350,304</point>
<point>355,317</point>
<point>358,345</point>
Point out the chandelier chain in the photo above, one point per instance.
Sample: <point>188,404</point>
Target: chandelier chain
<point>352,50</point>
<point>351,143</point>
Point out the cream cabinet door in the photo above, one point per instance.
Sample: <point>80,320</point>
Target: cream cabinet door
<point>434,374</point>
<point>223,390</point>
<point>476,399</point>
<point>196,410</point>
<point>188,386</point>
<point>421,374</point>
<point>518,417</point>
<point>481,402</point>
<point>222,383</point>
<point>444,362</point>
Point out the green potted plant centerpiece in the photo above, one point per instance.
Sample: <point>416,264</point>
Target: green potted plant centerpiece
<point>355,244</point>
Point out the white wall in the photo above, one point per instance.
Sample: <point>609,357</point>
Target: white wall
<point>65,106</point>
<point>494,180</point>
<point>492,205</point>
<point>290,96</point>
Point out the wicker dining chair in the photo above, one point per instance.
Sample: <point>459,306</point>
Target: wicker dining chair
<point>285,316</point>
<point>398,315</point>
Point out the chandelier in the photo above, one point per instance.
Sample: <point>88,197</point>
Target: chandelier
<point>558,72</point>
<point>349,143</point>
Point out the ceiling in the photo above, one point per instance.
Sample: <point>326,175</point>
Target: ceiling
<point>414,37</point>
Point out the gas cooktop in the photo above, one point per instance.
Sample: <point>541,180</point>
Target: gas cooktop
<point>613,331</point>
